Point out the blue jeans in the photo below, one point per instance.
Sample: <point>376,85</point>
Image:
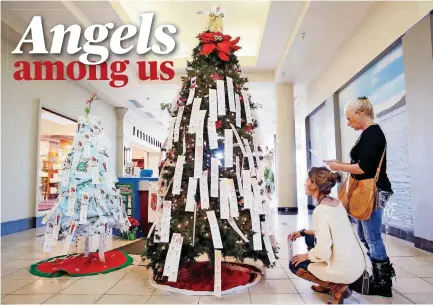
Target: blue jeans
<point>310,241</point>
<point>370,234</point>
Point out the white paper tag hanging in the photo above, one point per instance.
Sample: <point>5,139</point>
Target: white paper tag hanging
<point>212,134</point>
<point>268,246</point>
<point>103,243</point>
<point>204,192</point>
<point>238,177</point>
<point>214,230</point>
<point>71,200</point>
<point>69,237</point>
<point>228,148</point>
<point>232,198</point>
<point>165,222</point>
<point>190,96</point>
<point>221,97</point>
<point>177,179</point>
<point>48,238</point>
<point>86,150</point>
<point>238,139</point>
<point>237,230</point>
<point>84,208</point>
<point>200,128</point>
<point>246,185</point>
<point>190,197</point>
<point>198,161</point>
<point>172,259</point>
<point>231,94</point>
<point>193,122</point>
<point>177,124</point>
<point>217,280</point>
<point>213,105</point>
<point>183,145</point>
<point>224,200</point>
<point>250,158</point>
<point>257,236</point>
<point>214,178</point>
<point>238,111</point>
<point>169,144</point>
<point>95,175</point>
<point>56,228</point>
<point>247,107</point>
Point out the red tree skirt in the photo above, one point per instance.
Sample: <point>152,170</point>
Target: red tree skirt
<point>199,278</point>
<point>78,265</point>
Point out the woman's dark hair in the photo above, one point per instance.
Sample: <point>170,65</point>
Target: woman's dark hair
<point>324,179</point>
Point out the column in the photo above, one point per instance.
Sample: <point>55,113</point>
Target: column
<point>418,76</point>
<point>120,141</point>
<point>285,148</point>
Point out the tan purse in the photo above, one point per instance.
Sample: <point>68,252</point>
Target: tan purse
<point>358,196</point>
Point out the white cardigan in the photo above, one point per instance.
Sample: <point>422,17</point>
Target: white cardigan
<point>337,256</point>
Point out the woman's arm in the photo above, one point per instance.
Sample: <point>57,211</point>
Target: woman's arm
<point>322,250</point>
<point>345,167</point>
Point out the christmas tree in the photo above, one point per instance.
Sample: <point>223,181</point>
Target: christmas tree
<point>211,185</point>
<point>88,203</point>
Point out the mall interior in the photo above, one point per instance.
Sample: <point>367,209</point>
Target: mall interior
<point>304,60</point>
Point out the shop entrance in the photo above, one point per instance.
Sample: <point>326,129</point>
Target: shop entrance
<point>56,137</point>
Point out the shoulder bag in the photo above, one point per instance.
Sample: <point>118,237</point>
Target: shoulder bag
<point>358,196</point>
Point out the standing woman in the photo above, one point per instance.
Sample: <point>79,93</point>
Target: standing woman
<point>365,157</point>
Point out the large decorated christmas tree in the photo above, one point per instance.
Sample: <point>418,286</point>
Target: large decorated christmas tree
<point>212,200</point>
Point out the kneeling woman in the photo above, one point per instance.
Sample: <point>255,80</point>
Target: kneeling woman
<point>335,258</point>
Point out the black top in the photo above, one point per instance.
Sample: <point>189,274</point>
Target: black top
<point>367,152</point>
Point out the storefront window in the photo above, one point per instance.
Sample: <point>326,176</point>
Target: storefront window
<point>56,137</point>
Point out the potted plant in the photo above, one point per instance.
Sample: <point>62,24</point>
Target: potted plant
<point>132,233</point>
<point>269,180</point>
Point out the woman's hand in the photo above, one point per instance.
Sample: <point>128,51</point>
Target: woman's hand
<point>333,165</point>
<point>299,258</point>
<point>294,235</point>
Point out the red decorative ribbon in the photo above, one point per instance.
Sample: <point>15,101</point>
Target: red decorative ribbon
<point>220,42</point>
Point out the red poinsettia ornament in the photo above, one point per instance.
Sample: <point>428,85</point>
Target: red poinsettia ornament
<point>249,127</point>
<point>215,76</point>
<point>219,124</point>
<point>220,42</point>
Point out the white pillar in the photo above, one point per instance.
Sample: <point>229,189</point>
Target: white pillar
<point>120,139</point>
<point>286,150</point>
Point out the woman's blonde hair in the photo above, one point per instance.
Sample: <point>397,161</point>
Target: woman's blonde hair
<point>361,104</point>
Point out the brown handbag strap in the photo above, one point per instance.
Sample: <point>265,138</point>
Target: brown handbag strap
<point>376,177</point>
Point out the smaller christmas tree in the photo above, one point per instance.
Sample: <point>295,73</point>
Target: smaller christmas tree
<point>88,203</point>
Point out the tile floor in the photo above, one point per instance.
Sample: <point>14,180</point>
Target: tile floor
<point>414,282</point>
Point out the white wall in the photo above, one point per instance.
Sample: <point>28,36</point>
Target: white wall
<point>19,132</point>
<point>383,24</point>
<point>418,69</point>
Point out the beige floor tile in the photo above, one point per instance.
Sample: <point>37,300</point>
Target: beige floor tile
<point>409,262</point>
<point>8,271</point>
<point>9,286</point>
<point>19,263</point>
<point>159,292</point>
<point>273,286</point>
<point>420,271</point>
<point>275,274</point>
<point>89,287</point>
<point>26,299</point>
<point>420,298</point>
<point>321,298</point>
<point>52,286</point>
<point>400,272</point>
<point>115,275</point>
<point>132,287</point>
<point>73,299</point>
<point>428,279</point>
<point>302,286</point>
<point>373,299</point>
<point>123,299</point>
<point>24,274</point>
<point>292,299</point>
<point>138,273</point>
<point>181,299</point>
<point>414,285</point>
<point>226,299</point>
